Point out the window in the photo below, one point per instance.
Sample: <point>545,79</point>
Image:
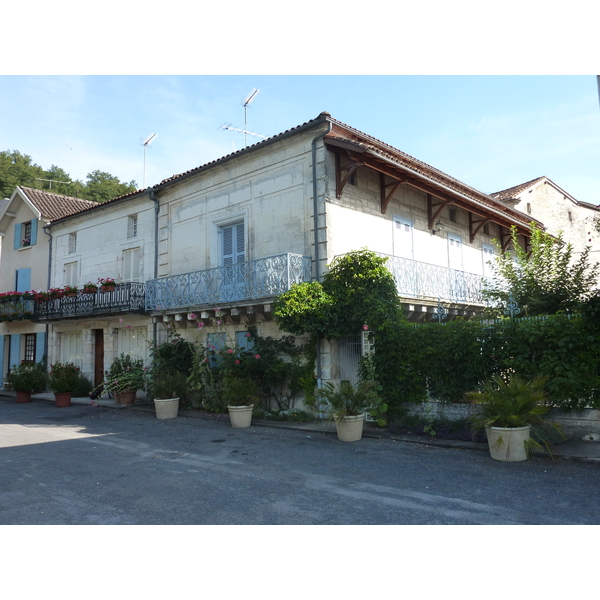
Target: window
<point>70,348</point>
<point>455,260</point>
<point>570,216</point>
<point>131,264</point>
<point>529,208</point>
<point>25,234</point>
<point>233,248</point>
<point>243,341</point>
<point>403,237</point>
<point>133,342</point>
<point>488,251</point>
<point>30,347</point>
<point>71,273</point>
<point>452,212</point>
<point>132,223</point>
<point>486,229</point>
<point>214,343</point>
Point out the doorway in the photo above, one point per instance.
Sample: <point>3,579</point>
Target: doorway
<point>98,356</point>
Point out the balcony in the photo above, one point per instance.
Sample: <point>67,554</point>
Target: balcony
<point>424,281</point>
<point>256,280</point>
<point>126,298</point>
<point>16,309</point>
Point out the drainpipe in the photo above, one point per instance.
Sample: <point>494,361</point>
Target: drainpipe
<point>46,228</point>
<point>316,232</point>
<point>154,198</point>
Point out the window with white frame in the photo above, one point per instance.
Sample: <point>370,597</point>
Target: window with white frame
<point>70,348</point>
<point>132,341</point>
<point>132,226</point>
<point>131,264</point>
<point>72,243</point>
<point>71,273</point>
<point>488,253</point>
<point>455,257</point>
<point>403,237</point>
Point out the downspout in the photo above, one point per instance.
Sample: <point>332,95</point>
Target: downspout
<point>153,197</point>
<point>316,233</point>
<point>45,228</point>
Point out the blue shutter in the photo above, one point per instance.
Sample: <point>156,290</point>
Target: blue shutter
<point>17,236</point>
<point>40,341</point>
<point>15,350</point>
<point>34,228</point>
<point>1,360</point>
<point>23,280</point>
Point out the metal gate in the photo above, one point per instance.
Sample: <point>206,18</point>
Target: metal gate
<point>350,352</point>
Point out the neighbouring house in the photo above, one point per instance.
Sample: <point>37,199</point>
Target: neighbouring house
<point>24,267</point>
<point>209,250</point>
<point>541,199</point>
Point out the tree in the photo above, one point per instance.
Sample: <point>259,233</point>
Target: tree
<point>18,169</point>
<point>544,280</point>
<point>102,186</point>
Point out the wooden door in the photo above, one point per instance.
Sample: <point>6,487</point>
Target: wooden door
<point>98,356</point>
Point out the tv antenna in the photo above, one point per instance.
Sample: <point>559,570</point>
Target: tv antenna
<point>146,143</point>
<point>247,101</point>
<point>230,128</point>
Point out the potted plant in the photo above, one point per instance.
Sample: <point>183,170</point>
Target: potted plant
<point>166,388</point>
<point>508,409</point>
<point>346,405</point>
<point>41,297</point>
<point>125,377</point>
<point>55,293</point>
<point>90,288</point>
<point>62,380</point>
<point>241,394</point>
<point>70,291</point>
<point>26,379</point>
<point>107,284</point>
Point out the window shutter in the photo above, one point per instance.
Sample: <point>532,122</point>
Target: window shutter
<point>240,248</point>
<point>17,236</point>
<point>227,233</point>
<point>34,228</point>
<point>40,342</point>
<point>23,280</point>
<point>131,265</point>
<point>15,350</point>
<point>1,360</point>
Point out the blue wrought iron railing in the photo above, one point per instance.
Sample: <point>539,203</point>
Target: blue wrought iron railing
<point>252,280</point>
<point>126,298</point>
<point>420,280</point>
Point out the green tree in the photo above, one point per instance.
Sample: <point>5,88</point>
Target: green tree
<point>102,186</point>
<point>544,280</point>
<point>17,169</point>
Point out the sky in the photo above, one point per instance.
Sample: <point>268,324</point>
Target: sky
<point>488,131</point>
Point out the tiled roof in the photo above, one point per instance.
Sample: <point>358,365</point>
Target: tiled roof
<point>514,191</point>
<point>55,206</point>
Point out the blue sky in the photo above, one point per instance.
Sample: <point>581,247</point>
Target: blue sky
<point>491,132</point>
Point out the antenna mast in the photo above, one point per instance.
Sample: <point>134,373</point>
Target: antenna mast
<point>247,100</point>
<point>146,143</point>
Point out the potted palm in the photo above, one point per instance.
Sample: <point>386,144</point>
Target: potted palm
<point>241,394</point>
<point>27,379</point>
<point>346,405</point>
<point>62,381</point>
<point>166,389</point>
<point>508,410</point>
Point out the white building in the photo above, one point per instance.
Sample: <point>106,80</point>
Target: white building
<point>24,267</point>
<point>222,241</point>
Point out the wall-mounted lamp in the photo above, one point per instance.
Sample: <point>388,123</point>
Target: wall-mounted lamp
<point>437,228</point>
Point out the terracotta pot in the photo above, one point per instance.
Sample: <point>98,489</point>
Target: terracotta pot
<point>23,397</point>
<point>71,295</point>
<point>127,397</point>
<point>108,288</point>
<point>62,399</point>
<point>240,416</point>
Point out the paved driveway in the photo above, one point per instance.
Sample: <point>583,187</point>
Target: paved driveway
<point>84,465</point>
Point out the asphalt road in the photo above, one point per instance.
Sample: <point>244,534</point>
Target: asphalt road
<point>85,465</point>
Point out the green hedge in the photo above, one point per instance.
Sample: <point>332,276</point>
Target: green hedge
<point>445,361</point>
